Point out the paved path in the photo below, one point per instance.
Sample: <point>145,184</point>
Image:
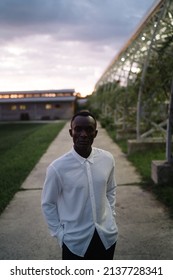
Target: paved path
<point>145,230</point>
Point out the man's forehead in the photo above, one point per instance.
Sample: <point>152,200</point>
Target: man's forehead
<point>83,121</point>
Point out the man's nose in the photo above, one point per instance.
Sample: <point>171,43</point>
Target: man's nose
<point>83,132</point>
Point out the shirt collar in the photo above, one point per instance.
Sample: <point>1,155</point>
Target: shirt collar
<point>81,159</point>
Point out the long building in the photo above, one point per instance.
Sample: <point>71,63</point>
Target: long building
<point>37,105</point>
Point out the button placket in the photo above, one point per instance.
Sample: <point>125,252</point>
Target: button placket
<point>91,190</point>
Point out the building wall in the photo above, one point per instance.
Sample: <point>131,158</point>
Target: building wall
<point>36,111</point>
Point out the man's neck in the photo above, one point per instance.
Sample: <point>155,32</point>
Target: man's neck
<point>83,153</point>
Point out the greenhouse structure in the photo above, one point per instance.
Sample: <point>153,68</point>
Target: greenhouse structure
<point>136,89</point>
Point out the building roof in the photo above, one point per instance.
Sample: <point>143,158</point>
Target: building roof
<point>38,99</point>
<point>38,91</point>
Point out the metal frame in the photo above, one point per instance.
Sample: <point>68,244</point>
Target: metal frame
<point>134,61</point>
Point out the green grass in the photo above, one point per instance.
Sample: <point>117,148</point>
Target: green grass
<point>21,146</point>
<point>142,162</point>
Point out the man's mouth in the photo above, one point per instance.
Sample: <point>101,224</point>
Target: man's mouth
<point>83,142</point>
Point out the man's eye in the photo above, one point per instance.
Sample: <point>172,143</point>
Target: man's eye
<point>77,129</point>
<point>86,129</point>
<point>89,129</point>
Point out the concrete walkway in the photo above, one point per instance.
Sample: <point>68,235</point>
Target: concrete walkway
<point>145,230</point>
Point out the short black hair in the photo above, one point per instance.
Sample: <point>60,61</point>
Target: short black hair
<point>84,113</point>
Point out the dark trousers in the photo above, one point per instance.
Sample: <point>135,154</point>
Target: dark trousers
<point>95,251</point>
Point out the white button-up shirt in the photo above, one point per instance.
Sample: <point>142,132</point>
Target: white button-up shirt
<point>78,197</point>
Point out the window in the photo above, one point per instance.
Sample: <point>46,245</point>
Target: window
<point>13,96</point>
<point>48,94</point>
<point>13,107</point>
<point>22,107</point>
<point>57,106</point>
<point>4,95</point>
<point>48,106</point>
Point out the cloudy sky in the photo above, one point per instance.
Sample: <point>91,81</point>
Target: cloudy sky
<point>54,44</point>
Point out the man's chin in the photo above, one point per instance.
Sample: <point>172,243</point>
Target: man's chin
<point>83,146</point>
<point>83,143</point>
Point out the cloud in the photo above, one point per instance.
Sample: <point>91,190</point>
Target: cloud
<point>52,43</point>
<point>91,20</point>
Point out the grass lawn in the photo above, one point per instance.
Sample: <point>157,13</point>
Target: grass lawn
<point>21,146</point>
<point>142,162</point>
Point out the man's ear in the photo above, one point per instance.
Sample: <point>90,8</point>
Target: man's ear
<point>96,133</point>
<point>70,132</point>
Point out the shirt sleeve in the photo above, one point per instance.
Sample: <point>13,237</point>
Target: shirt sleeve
<point>111,189</point>
<point>50,193</point>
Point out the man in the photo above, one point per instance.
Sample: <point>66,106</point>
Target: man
<point>78,198</point>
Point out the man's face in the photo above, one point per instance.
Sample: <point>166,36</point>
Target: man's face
<point>83,132</point>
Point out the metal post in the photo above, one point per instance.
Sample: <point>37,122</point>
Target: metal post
<point>144,70</point>
<point>169,157</point>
